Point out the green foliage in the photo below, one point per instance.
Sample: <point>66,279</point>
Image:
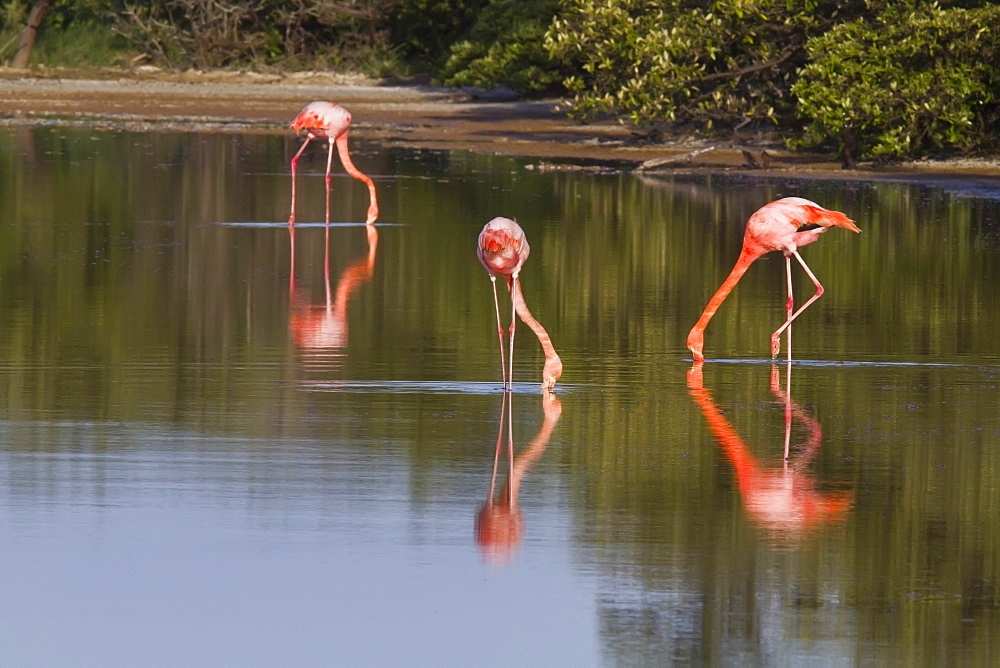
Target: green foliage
<point>426,29</point>
<point>504,47</point>
<point>12,15</point>
<point>876,79</point>
<point>911,81</point>
<point>221,33</point>
<point>77,33</point>
<point>704,63</point>
<point>81,41</point>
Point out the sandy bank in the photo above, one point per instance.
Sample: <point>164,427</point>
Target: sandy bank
<point>423,116</point>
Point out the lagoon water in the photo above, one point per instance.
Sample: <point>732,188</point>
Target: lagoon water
<point>207,458</point>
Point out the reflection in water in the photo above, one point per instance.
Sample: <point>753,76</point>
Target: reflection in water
<point>499,524</point>
<point>785,501</point>
<point>321,330</point>
<point>145,385</point>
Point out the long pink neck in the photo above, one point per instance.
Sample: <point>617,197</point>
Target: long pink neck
<point>345,158</point>
<point>696,338</point>
<point>553,365</point>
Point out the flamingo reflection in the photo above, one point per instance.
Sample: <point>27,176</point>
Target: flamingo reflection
<point>784,500</point>
<point>499,523</point>
<point>317,328</point>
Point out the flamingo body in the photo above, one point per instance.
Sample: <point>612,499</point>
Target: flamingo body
<point>783,225</point>
<point>786,224</point>
<point>324,120</point>
<point>502,248</point>
<point>329,121</point>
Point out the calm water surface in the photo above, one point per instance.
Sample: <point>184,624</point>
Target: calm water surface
<point>209,458</point>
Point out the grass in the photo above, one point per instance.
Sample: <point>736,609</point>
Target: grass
<point>81,44</point>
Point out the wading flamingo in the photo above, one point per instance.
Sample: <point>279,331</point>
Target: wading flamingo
<point>782,225</point>
<point>326,120</point>
<point>503,249</point>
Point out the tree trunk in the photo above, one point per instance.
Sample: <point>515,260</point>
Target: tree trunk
<point>38,12</point>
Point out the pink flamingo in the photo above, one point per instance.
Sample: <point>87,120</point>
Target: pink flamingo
<point>326,120</point>
<point>782,225</point>
<point>503,249</point>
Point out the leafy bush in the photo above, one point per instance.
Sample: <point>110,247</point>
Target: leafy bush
<point>705,63</point>
<point>219,33</point>
<point>82,43</point>
<point>426,29</point>
<point>911,81</point>
<point>504,47</point>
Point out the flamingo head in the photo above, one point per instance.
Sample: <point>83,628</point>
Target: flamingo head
<point>551,372</point>
<point>696,343</point>
<point>303,122</point>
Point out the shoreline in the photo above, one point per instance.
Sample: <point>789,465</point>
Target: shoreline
<point>422,116</point>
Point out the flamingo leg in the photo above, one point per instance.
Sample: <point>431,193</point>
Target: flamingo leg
<point>326,266</point>
<point>496,304</point>
<point>291,262</point>
<point>295,162</point>
<point>513,324</point>
<point>789,308</point>
<point>329,163</point>
<point>793,316</point>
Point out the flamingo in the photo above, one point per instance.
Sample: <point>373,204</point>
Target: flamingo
<point>782,225</point>
<point>326,120</point>
<point>502,250</point>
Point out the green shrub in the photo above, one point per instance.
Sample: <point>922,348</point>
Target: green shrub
<point>290,33</point>
<point>914,80</point>
<point>505,47</point>
<point>425,30</point>
<point>76,33</point>
<point>703,63</point>
<point>81,43</point>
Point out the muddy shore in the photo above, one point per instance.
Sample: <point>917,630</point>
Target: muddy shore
<point>428,117</point>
